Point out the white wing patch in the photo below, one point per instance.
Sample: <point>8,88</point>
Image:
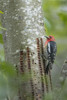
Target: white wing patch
<point>49,50</point>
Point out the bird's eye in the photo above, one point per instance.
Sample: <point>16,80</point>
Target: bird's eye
<point>50,37</point>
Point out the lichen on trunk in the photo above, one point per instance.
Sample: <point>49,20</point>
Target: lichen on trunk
<point>23,20</point>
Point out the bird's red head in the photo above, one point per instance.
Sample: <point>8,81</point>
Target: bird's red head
<point>50,38</point>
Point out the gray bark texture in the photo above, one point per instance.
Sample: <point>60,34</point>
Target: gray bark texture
<point>23,20</point>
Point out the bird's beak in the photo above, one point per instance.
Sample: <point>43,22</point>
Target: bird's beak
<point>47,37</point>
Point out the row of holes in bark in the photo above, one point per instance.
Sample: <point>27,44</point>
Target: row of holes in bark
<point>29,66</point>
<point>42,52</point>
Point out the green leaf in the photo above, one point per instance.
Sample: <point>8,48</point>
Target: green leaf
<point>3,28</point>
<point>1,39</point>
<point>1,12</point>
<point>7,69</point>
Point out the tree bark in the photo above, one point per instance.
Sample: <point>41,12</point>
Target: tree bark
<point>23,20</point>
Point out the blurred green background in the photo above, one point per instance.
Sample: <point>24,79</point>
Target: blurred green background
<point>55,20</point>
<point>55,12</point>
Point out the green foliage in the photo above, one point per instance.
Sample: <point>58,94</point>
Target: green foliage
<point>2,28</point>
<point>1,39</point>
<point>7,79</point>
<point>3,86</point>
<point>1,12</point>
<point>55,12</point>
<point>7,69</point>
<point>49,96</point>
<point>58,93</point>
<point>10,80</point>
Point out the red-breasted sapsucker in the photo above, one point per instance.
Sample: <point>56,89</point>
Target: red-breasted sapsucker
<point>50,49</point>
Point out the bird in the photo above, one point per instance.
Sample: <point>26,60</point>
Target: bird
<point>50,49</point>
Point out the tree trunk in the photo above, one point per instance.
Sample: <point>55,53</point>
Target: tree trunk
<point>23,20</point>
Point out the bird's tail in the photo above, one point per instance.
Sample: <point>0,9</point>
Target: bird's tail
<point>49,66</point>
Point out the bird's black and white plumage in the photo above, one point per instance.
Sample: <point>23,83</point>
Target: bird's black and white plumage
<point>50,52</point>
